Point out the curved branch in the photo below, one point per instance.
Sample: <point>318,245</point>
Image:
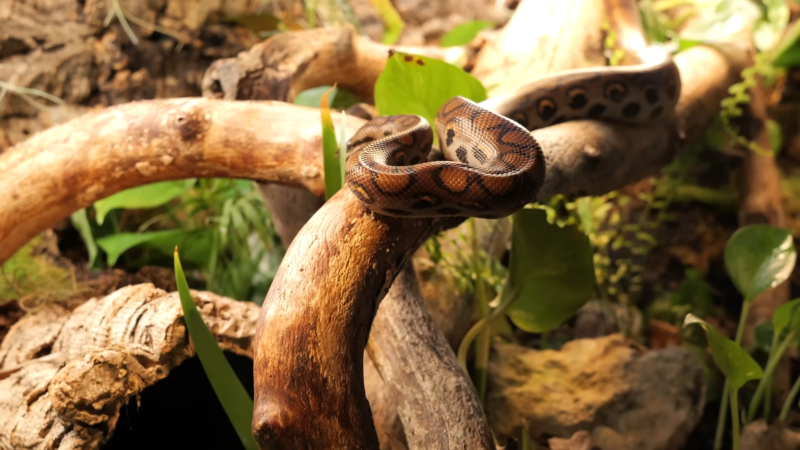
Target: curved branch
<point>70,166</point>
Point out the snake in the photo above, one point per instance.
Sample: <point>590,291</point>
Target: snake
<point>489,165</point>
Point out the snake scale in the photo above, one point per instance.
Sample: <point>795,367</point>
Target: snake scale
<point>492,165</point>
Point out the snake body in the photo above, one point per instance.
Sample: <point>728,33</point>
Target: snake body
<point>493,166</point>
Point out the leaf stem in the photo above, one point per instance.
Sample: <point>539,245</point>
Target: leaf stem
<point>727,388</point>
<point>735,417</point>
<point>484,339</point>
<point>772,363</point>
<point>787,405</point>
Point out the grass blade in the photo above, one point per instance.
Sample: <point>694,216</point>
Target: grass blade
<point>333,176</point>
<point>234,398</point>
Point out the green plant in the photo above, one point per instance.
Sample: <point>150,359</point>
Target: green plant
<point>464,34</point>
<point>757,257</point>
<point>229,389</point>
<point>222,225</point>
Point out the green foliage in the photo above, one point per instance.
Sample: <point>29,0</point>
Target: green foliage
<point>391,19</point>
<point>330,150</point>
<point>81,223</point>
<point>759,257</point>
<point>737,365</point>
<point>787,52</point>
<point>551,274</point>
<point>30,272</point>
<point>787,317</point>
<point>142,197</point>
<point>338,98</point>
<point>197,242</point>
<point>222,225</point>
<point>464,34</point>
<point>413,84</point>
<point>229,389</point>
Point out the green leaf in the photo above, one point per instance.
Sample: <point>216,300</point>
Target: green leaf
<point>721,20</point>
<point>787,52</point>
<point>81,223</point>
<point>391,19</point>
<point>413,84</point>
<point>763,332</point>
<point>551,274</point>
<point>229,389</point>
<point>464,34</point>
<point>787,316</point>
<point>330,148</point>
<point>759,257</point>
<point>313,97</point>
<point>197,243</point>
<point>147,196</point>
<point>737,365</point>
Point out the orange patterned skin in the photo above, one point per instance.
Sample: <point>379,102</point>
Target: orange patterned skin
<point>493,166</point>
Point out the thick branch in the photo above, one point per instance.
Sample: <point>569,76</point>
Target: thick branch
<point>68,167</point>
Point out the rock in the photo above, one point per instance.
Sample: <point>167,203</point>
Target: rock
<point>760,436</point>
<point>626,397</point>
<point>582,440</point>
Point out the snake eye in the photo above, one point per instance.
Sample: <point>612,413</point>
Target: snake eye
<point>615,91</point>
<point>577,98</point>
<point>546,108</point>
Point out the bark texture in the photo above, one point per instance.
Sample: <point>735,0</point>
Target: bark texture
<point>65,376</point>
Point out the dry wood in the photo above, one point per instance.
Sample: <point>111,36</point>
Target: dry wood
<point>123,342</point>
<point>289,63</point>
<point>422,372</point>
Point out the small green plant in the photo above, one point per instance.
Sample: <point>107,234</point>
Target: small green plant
<point>229,389</point>
<point>757,258</point>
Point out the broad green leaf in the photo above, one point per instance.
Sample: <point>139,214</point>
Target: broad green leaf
<point>763,332</point>
<point>787,52</point>
<point>759,257</point>
<point>412,84</point>
<point>464,34</point>
<point>787,316</point>
<point>551,274</point>
<point>81,223</point>
<point>720,20</point>
<point>737,365</point>
<point>196,243</point>
<point>769,29</point>
<point>333,173</point>
<point>231,394</point>
<point>142,197</point>
<point>313,97</point>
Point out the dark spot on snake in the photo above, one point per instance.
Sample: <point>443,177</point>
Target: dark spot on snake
<point>360,191</point>
<point>414,160</point>
<point>577,98</point>
<point>479,155</point>
<point>451,134</point>
<point>425,202</point>
<point>387,133</point>
<point>656,112</point>
<point>651,94</point>
<point>399,157</point>
<point>396,212</point>
<point>461,153</point>
<point>596,111</point>
<point>558,120</point>
<point>546,108</point>
<point>615,91</point>
<point>521,118</point>
<point>408,58</point>
<point>448,211</point>
<point>361,141</point>
<point>631,110</point>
